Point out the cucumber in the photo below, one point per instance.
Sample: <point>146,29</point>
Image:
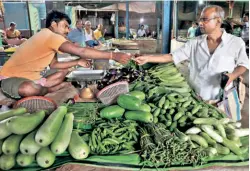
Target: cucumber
<point>221,149</point>
<point>129,102</point>
<point>221,130</point>
<point>212,133</point>
<point>138,94</point>
<point>211,151</point>
<point>111,112</point>
<point>193,130</point>
<point>145,108</point>
<point>206,121</point>
<point>232,146</point>
<point>209,140</point>
<point>199,140</point>
<point>141,116</point>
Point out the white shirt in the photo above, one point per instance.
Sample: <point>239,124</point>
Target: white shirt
<point>88,36</point>
<point>141,32</point>
<point>205,69</point>
<point>245,32</point>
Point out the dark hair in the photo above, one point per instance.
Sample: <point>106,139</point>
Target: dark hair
<point>12,24</point>
<point>78,21</point>
<point>247,14</point>
<point>142,25</point>
<point>57,17</point>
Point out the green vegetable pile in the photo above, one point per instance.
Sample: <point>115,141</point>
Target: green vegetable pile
<point>114,137</point>
<point>160,147</point>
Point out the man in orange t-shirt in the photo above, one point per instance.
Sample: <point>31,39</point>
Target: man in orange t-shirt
<point>21,74</point>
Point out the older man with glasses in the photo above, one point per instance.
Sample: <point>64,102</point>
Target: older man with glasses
<point>211,54</point>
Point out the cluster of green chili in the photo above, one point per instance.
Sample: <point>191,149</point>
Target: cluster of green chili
<point>114,137</point>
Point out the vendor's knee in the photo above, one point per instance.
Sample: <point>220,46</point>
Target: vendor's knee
<point>29,88</point>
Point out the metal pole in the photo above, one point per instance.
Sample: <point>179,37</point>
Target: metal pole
<point>166,26</point>
<point>176,19</point>
<point>243,9</point>
<point>127,20</point>
<point>158,5</point>
<point>116,25</point>
<point>28,11</point>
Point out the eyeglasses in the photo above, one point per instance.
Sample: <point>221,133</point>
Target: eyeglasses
<point>205,20</point>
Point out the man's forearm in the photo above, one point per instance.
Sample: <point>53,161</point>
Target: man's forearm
<point>161,58</point>
<point>238,72</point>
<point>95,54</point>
<point>64,65</point>
<point>86,53</point>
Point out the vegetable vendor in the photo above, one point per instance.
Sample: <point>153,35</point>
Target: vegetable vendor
<point>22,75</point>
<point>210,55</point>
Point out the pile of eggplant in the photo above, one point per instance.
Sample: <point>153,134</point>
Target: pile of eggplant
<point>122,74</point>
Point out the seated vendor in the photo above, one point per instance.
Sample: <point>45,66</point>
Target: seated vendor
<point>77,35</point>
<point>99,33</point>
<point>22,75</point>
<point>13,35</point>
<point>141,32</point>
<point>89,35</point>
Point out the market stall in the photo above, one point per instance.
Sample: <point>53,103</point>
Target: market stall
<point>143,118</point>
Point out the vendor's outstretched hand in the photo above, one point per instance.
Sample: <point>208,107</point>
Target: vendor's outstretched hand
<point>84,63</point>
<point>122,58</point>
<point>141,60</point>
